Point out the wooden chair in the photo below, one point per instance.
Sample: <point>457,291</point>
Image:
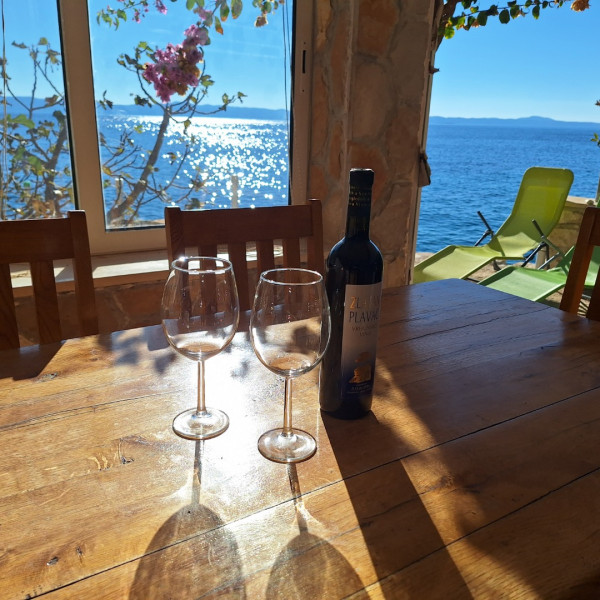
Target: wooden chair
<point>588,238</point>
<point>202,232</point>
<point>39,242</point>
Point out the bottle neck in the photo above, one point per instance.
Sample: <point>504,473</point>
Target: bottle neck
<point>359,212</point>
<point>357,225</point>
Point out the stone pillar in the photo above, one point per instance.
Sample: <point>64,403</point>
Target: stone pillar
<point>369,103</point>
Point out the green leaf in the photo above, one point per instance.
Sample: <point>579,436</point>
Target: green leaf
<point>236,8</point>
<point>43,42</point>
<point>449,33</point>
<point>218,26</point>
<point>36,164</point>
<point>190,4</point>
<point>504,17</point>
<point>25,121</point>
<point>224,11</point>
<point>482,19</point>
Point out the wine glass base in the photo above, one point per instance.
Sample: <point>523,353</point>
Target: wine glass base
<point>292,447</point>
<point>193,425</point>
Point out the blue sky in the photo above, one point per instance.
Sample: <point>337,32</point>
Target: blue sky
<point>548,67</point>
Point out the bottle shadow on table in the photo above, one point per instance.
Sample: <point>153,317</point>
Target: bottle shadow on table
<point>192,553</point>
<point>406,550</point>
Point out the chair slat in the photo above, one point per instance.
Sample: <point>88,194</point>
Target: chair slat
<point>9,333</point>
<point>208,250</point>
<point>237,256</point>
<point>291,252</point>
<point>46,301</point>
<point>314,249</point>
<point>265,255</point>
<point>82,269</point>
<point>587,239</point>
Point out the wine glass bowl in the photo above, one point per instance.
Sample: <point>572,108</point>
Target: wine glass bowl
<point>200,315</point>
<point>289,331</point>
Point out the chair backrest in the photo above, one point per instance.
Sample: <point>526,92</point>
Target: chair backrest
<point>39,242</point>
<point>541,196</point>
<point>587,240</point>
<point>203,232</point>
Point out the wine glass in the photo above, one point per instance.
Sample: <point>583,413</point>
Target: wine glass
<point>289,331</point>
<point>200,315</point>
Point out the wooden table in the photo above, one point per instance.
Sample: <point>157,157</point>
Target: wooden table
<point>476,476</point>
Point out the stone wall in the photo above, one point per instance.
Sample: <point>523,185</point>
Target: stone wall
<point>370,89</point>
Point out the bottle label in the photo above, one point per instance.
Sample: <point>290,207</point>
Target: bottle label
<point>359,339</point>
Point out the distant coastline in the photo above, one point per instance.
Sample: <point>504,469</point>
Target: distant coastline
<point>519,122</point>
<point>239,111</point>
<point>235,111</point>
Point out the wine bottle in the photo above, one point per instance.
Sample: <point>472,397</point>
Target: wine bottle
<point>353,281</point>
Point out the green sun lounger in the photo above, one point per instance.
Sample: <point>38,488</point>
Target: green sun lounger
<point>541,196</point>
<point>538,284</point>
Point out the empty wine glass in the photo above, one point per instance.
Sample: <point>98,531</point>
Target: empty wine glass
<point>200,315</point>
<point>289,331</point>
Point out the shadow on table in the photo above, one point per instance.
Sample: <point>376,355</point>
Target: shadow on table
<point>308,566</point>
<point>32,360</point>
<point>395,526</point>
<point>192,553</point>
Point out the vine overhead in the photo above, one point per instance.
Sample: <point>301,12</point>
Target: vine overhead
<point>467,14</point>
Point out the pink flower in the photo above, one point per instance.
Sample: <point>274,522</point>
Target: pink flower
<point>198,36</point>
<point>176,67</point>
<point>160,7</point>
<point>205,15</point>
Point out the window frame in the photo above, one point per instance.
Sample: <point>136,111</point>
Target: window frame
<point>81,112</point>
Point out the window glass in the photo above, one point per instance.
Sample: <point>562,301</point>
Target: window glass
<point>35,165</point>
<point>187,115</point>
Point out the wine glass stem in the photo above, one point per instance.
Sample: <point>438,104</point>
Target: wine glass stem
<point>287,407</point>
<point>201,403</point>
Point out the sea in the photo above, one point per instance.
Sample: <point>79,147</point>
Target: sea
<point>478,164</point>
<point>243,162</point>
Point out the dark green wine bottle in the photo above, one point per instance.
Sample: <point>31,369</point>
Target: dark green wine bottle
<point>353,281</point>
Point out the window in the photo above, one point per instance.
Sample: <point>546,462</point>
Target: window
<point>35,169</point>
<point>132,154</point>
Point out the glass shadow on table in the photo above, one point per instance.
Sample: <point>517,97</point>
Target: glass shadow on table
<point>191,553</point>
<point>308,566</point>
